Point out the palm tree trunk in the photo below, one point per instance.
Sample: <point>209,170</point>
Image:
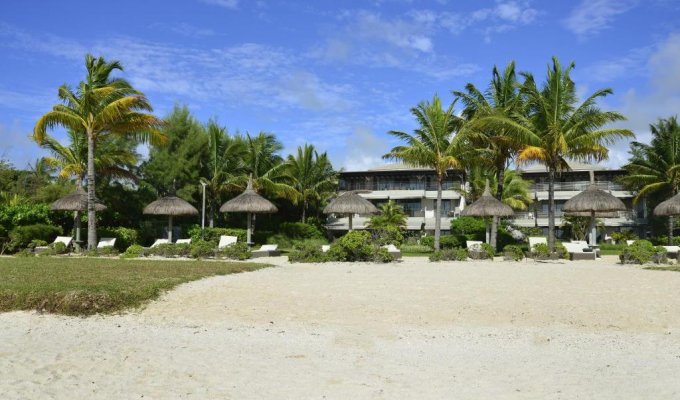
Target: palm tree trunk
<point>437,214</point>
<point>91,213</point>
<point>500,176</point>
<point>211,219</point>
<point>670,230</point>
<point>304,210</point>
<point>551,210</point>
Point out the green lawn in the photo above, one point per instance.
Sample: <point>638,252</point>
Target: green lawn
<point>674,268</point>
<point>85,286</point>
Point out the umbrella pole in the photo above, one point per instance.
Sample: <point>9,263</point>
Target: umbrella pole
<point>593,232</point>
<point>170,228</point>
<point>488,230</point>
<point>250,224</point>
<point>350,222</point>
<point>76,224</point>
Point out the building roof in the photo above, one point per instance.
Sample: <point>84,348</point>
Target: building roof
<point>574,165</point>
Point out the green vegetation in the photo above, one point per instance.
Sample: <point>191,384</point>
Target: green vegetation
<point>457,254</point>
<point>85,286</point>
<point>642,252</point>
<point>511,252</point>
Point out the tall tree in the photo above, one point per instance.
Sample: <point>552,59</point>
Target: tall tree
<point>560,128</point>
<point>496,144</point>
<point>391,214</point>
<point>516,190</point>
<point>431,145</point>
<point>654,168</point>
<point>267,167</point>
<point>100,106</point>
<point>312,175</point>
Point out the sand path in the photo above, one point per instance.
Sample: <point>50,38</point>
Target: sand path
<point>408,330</point>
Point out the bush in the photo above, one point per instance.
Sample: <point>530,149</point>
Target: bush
<point>445,241</point>
<point>202,248</point>
<point>388,234</point>
<point>58,248</point>
<point>458,254</point>
<point>134,251</point>
<point>663,240</point>
<point>415,248</point>
<point>24,214</point>
<point>299,230</point>
<point>642,252</point>
<point>381,255</point>
<point>307,251</point>
<point>512,252</point>
<point>621,237</point>
<point>485,252</point>
<point>103,252</point>
<point>540,252</point>
<point>282,240</point>
<point>472,228</point>
<point>354,246</point>
<point>21,236</point>
<point>125,237</point>
<point>427,241</point>
<point>213,234</point>
<point>237,251</point>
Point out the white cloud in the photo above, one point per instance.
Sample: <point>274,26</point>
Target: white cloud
<point>231,4</point>
<point>593,16</point>
<point>364,149</point>
<point>629,65</point>
<point>189,30</point>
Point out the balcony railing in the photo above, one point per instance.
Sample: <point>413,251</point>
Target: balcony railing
<point>629,215</point>
<point>577,186</point>
<point>397,186</point>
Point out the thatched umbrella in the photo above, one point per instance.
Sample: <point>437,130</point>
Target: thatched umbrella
<point>594,202</point>
<point>669,208</point>
<point>350,203</point>
<point>487,206</point>
<point>76,201</point>
<point>251,203</point>
<point>171,206</point>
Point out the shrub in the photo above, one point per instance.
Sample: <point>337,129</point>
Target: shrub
<point>485,252</point>
<point>202,248</point>
<point>354,246</point>
<point>24,214</point>
<point>237,251</point>
<point>282,240</point>
<point>213,234</point>
<point>134,251</point>
<point>445,241</point>
<point>163,250</point>
<point>381,255</point>
<point>642,252</point>
<point>58,248</point>
<point>458,254</point>
<point>300,230</point>
<point>103,252</point>
<point>125,237</point>
<point>415,248</point>
<point>540,252</point>
<point>471,228</point>
<point>561,251</point>
<point>621,237</point>
<point>512,252</point>
<point>388,234</point>
<point>427,241</point>
<point>21,236</point>
<point>307,251</point>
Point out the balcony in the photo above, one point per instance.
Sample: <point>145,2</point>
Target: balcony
<point>422,186</point>
<point>577,186</point>
<point>623,218</point>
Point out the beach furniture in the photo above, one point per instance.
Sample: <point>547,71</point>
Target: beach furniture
<point>534,240</point>
<point>393,250</point>
<point>474,248</point>
<point>183,241</point>
<point>672,251</point>
<point>106,242</point>
<point>325,248</point>
<point>629,242</point>
<point>226,241</point>
<point>595,249</point>
<point>579,251</point>
<point>160,241</point>
<point>267,250</point>
<point>66,240</point>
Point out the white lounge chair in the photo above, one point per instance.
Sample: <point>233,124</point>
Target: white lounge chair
<point>473,245</point>
<point>629,242</point>
<point>267,250</point>
<point>106,242</point>
<point>183,241</point>
<point>579,251</point>
<point>533,241</point>
<point>325,248</point>
<point>672,251</point>
<point>585,244</point>
<point>66,240</point>
<point>393,250</point>
<point>226,241</point>
<point>160,241</point>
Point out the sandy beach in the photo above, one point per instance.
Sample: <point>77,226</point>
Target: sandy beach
<point>472,330</point>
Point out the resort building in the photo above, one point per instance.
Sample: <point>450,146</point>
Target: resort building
<point>415,189</point>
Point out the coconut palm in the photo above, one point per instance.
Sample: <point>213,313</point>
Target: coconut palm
<point>431,145</point>
<point>654,168</point>
<point>313,176</point>
<point>496,144</point>
<point>516,190</point>
<point>101,106</point>
<point>391,214</point>
<point>559,128</point>
<point>267,167</point>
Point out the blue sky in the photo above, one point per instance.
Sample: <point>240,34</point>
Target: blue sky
<point>338,74</point>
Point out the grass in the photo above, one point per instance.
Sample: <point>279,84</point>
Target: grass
<point>86,286</point>
<point>674,268</point>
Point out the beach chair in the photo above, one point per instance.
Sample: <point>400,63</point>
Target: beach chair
<point>672,251</point>
<point>267,250</point>
<point>160,241</point>
<point>533,241</point>
<point>629,242</point>
<point>474,249</point>
<point>226,241</point>
<point>325,248</point>
<point>579,251</point>
<point>183,241</point>
<point>393,250</point>
<point>106,242</point>
<point>66,240</point>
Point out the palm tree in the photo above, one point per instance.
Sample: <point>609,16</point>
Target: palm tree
<point>654,168</point>
<point>391,214</point>
<point>561,129</point>
<point>431,145</point>
<point>516,190</point>
<point>313,176</point>
<point>266,166</point>
<point>225,165</point>
<point>99,107</point>
<point>496,145</point>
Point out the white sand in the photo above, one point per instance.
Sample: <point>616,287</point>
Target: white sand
<point>411,330</point>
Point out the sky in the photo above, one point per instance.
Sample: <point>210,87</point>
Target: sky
<point>337,74</point>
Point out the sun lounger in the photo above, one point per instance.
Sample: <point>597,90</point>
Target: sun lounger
<point>106,242</point>
<point>183,241</point>
<point>226,241</point>
<point>267,250</point>
<point>672,251</point>
<point>325,248</point>
<point>393,250</point>
<point>629,242</point>
<point>585,244</point>
<point>160,241</point>
<point>474,248</point>
<point>533,241</point>
<point>66,240</point>
<point>578,251</point>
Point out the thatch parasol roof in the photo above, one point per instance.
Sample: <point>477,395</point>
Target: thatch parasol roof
<point>76,201</point>
<point>350,203</point>
<point>170,205</point>
<point>249,201</point>
<point>593,200</point>
<point>487,206</point>
<point>668,207</point>
<point>599,214</point>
